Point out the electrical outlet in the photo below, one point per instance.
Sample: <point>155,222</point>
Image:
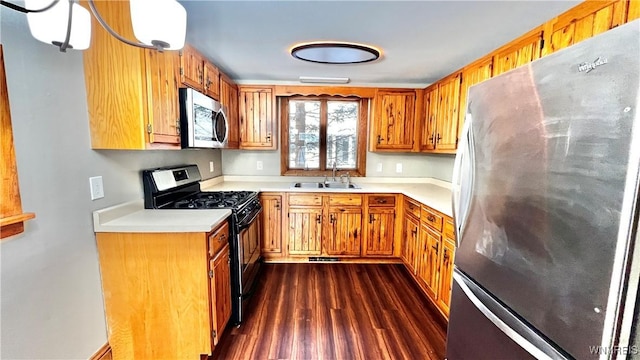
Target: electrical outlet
<point>379,167</point>
<point>211,168</point>
<point>399,168</point>
<point>259,165</point>
<point>97,188</point>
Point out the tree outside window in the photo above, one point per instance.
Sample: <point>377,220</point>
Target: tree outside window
<point>322,131</point>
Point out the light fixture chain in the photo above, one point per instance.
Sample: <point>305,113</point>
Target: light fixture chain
<point>25,10</point>
<point>65,44</point>
<point>104,24</point>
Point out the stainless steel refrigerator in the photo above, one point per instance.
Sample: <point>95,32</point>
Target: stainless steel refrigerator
<point>546,207</point>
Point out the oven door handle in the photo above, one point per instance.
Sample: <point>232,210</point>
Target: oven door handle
<point>243,227</point>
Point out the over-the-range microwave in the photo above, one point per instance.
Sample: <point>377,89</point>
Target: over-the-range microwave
<point>202,120</point>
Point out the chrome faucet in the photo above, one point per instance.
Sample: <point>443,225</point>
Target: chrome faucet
<point>335,168</point>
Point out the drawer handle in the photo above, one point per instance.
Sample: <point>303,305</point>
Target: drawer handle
<point>223,237</point>
<point>446,255</point>
<point>414,232</point>
<point>370,218</point>
<point>436,248</point>
<point>382,201</point>
<point>318,219</point>
<point>431,218</point>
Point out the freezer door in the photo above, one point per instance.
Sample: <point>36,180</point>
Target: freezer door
<point>481,328</point>
<point>553,187</point>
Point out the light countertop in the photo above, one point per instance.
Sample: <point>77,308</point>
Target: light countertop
<point>431,192</point>
<point>133,217</point>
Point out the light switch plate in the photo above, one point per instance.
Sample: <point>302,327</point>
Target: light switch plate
<point>211,168</point>
<point>379,167</point>
<point>399,168</point>
<point>259,165</point>
<point>97,188</point>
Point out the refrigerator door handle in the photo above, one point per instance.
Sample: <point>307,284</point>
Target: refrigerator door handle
<point>463,171</point>
<point>531,341</point>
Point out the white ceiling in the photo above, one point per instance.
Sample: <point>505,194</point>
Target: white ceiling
<point>421,41</point>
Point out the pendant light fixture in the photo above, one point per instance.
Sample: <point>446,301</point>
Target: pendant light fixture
<point>157,24</point>
<point>66,24</point>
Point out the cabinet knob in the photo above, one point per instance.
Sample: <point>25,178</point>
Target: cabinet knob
<point>435,247</point>
<point>431,218</point>
<point>379,139</point>
<point>438,138</point>
<point>268,137</point>
<point>319,219</point>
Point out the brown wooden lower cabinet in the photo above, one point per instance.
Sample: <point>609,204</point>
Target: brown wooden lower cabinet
<point>144,319</point>
<point>428,252</point>
<point>356,227</point>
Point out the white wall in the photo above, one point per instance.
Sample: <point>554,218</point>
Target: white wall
<point>242,162</point>
<point>50,296</point>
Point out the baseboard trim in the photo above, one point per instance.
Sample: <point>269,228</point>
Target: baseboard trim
<point>104,353</point>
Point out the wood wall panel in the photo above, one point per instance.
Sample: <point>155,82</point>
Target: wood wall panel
<point>11,216</point>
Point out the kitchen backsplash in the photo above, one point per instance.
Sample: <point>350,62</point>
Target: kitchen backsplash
<point>244,162</point>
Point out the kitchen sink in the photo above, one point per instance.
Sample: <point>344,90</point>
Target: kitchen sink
<point>308,185</point>
<point>327,185</point>
<point>338,185</point>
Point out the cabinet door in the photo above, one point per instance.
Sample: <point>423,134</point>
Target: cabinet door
<point>220,292</point>
<point>425,261</point>
<point>634,10</point>
<point>211,81</point>
<point>257,122</point>
<point>272,224</point>
<point>517,53</point>
<point>428,259</point>
<point>394,120</point>
<point>229,99</point>
<point>582,22</point>
<point>447,118</point>
<point>191,67</point>
<point>162,97</point>
<point>305,231</point>
<point>446,274</point>
<point>428,133</point>
<point>380,230</point>
<point>473,74</point>
<point>410,241</point>
<point>345,231</point>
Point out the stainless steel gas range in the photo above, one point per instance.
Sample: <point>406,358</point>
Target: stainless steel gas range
<point>179,188</point>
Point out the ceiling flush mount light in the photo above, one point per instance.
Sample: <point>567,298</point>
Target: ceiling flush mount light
<point>157,24</point>
<point>335,53</point>
<point>324,80</point>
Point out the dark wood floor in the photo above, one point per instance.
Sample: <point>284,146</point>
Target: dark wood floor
<point>336,311</point>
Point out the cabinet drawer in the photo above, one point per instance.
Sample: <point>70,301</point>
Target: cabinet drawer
<point>449,230</point>
<point>350,200</point>
<point>382,200</point>
<point>218,239</point>
<point>412,207</point>
<point>306,199</point>
<point>432,218</point>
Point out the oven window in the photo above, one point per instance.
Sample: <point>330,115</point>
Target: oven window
<point>221,127</point>
<point>203,123</point>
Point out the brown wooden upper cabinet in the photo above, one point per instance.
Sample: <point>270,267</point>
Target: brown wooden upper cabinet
<point>229,99</point>
<point>472,74</point>
<point>441,103</point>
<point>257,120</point>
<point>131,92</point>
<point>634,10</point>
<point>198,73</point>
<point>518,52</point>
<point>582,22</point>
<point>394,120</point>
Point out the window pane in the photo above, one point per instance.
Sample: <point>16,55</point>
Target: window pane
<point>304,134</point>
<point>342,132</point>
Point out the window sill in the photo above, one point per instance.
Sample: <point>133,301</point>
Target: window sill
<point>294,172</point>
<point>13,225</point>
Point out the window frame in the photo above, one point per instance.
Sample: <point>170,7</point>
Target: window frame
<point>325,169</point>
